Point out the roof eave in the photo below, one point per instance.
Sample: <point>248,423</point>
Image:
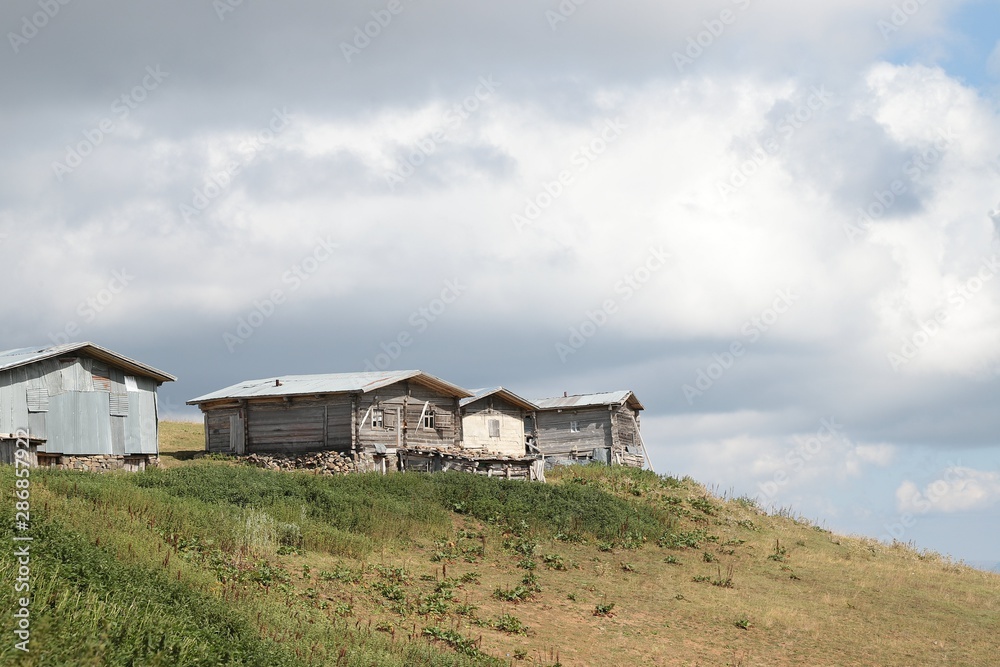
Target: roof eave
<point>507,395</point>
<point>103,354</point>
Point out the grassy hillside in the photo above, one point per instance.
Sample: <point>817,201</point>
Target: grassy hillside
<point>208,562</point>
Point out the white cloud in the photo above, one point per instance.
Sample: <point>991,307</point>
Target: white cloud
<point>960,489</point>
<point>880,455</point>
<point>775,467</point>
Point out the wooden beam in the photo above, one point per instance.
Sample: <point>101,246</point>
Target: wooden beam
<point>355,436</point>
<point>362,425</point>
<point>642,444</point>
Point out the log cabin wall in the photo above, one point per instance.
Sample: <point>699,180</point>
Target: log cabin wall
<point>378,418</point>
<point>218,433</point>
<point>396,416</point>
<point>574,432</point>
<point>626,448</point>
<point>358,422</point>
<point>443,429</point>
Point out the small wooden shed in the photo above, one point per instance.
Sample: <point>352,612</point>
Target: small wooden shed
<point>493,421</point>
<point>590,427</point>
<point>80,406</point>
<point>369,415</point>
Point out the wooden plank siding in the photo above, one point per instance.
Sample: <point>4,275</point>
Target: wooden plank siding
<point>555,436</point>
<point>341,421</point>
<point>280,426</point>
<point>611,429</point>
<point>626,448</point>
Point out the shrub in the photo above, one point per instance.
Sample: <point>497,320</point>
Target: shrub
<point>604,609</point>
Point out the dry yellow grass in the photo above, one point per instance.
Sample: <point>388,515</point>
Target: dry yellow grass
<point>180,441</point>
<point>799,595</point>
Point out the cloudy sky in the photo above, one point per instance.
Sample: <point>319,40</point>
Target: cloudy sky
<point>775,221</point>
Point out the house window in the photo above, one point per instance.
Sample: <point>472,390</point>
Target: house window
<point>378,419</point>
<point>494,428</point>
<point>574,426</point>
<point>428,419</point>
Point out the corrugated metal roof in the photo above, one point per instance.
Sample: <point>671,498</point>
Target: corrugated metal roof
<point>505,393</point>
<point>588,400</point>
<point>331,383</point>
<point>29,355</point>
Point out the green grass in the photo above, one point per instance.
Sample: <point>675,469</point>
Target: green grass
<point>88,607</point>
<point>212,562</point>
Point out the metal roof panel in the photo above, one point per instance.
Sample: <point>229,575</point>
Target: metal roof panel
<point>588,400</point>
<point>29,355</point>
<point>330,383</point>
<point>504,393</point>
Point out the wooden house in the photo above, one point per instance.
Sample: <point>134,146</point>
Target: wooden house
<point>80,406</point>
<point>590,427</point>
<point>369,415</point>
<point>493,421</point>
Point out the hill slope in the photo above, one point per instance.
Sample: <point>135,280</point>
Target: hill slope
<point>208,562</point>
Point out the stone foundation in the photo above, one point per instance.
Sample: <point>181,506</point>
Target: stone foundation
<point>323,463</point>
<point>98,462</point>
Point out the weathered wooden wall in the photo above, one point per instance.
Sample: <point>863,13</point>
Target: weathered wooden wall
<point>405,401</point>
<point>340,422</point>
<point>8,452</point>
<point>218,425</point>
<point>476,419</point>
<point>274,425</point>
<point>612,431</point>
<point>626,448</point>
<point>556,439</point>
